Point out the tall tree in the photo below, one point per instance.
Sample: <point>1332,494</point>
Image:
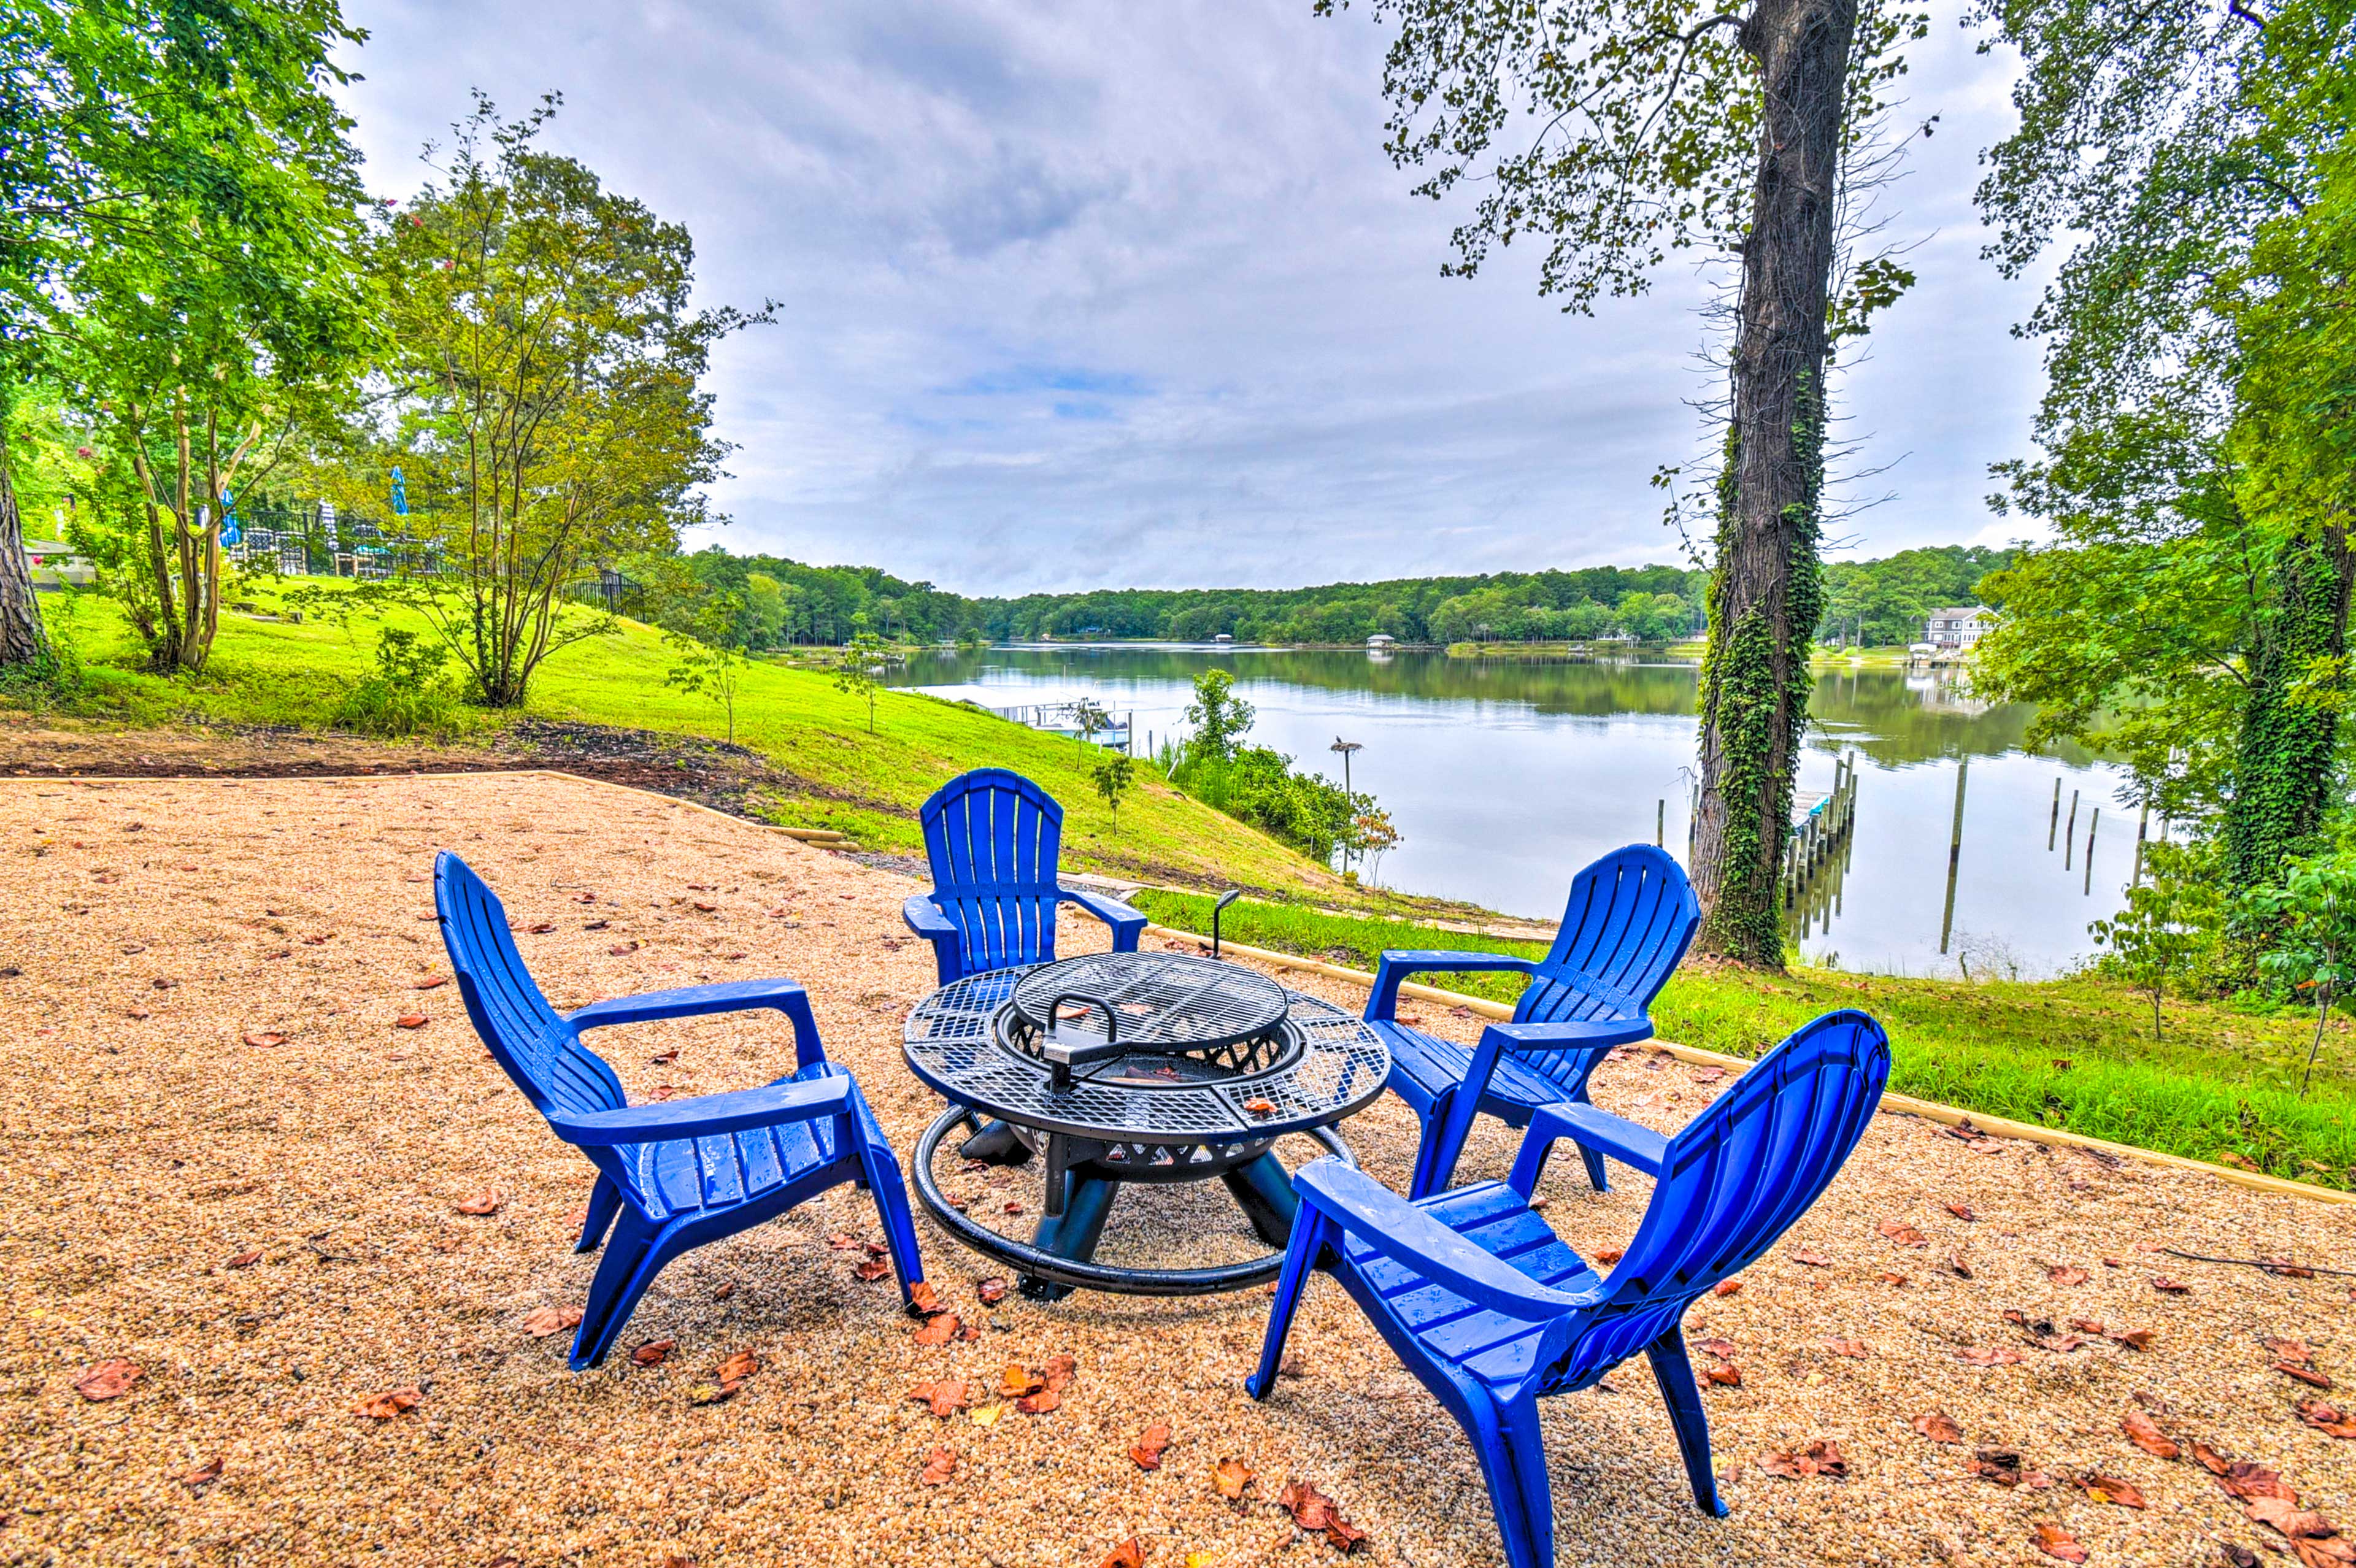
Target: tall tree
<point>165,164</point>
<point>1616,133</point>
<point>545,400</point>
<point>2195,597</point>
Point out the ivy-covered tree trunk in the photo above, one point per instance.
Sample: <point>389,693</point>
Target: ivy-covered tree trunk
<point>1766,589</point>
<point>2282,784</point>
<point>21,640</point>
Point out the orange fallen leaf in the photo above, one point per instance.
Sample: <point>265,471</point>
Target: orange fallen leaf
<point>1818,1458</point>
<point>2056,1542</point>
<point>385,1406</point>
<point>1894,1281</point>
<point>1989,1356</point>
<point>924,1301</point>
<point>1017,1380</point>
<point>937,1329</point>
<point>1938,1426</point>
<point>540,928</point>
<point>1230,1476</point>
<point>1903,1234</point>
<point>542,1321</point>
<point>944,1397</point>
<point>1130,1554</point>
<point>2133,1338</point>
<point>2146,1435</point>
<point>2171,1286</point>
<point>412,1020</point>
<point>1039,1403</point>
<point>431,983</point>
<point>2306,1375</point>
<point>1962,1211</point>
<point>262,1039</point>
<point>486,1201</point>
<point>1609,1255</point>
<point>1260,1108</point>
<point>991,1291</point>
<point>653,1353</point>
<point>737,1368</point>
<point>2067,1274</point>
<point>939,1466</point>
<point>1146,1450</point>
<point>1854,1347</point>
<point>1814,1260</point>
<point>1726,1375</point>
<point>1059,1371</point>
<point>203,1476</point>
<point>245,1259</point>
<point>2326,1418</point>
<point>1315,1513</point>
<point>1726,1287</point>
<point>2111,1490</point>
<point>872,1269</point>
<point>108,1380</point>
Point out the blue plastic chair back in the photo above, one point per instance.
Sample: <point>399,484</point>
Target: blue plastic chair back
<point>993,840</point>
<point>1735,1180</point>
<point>539,1050</point>
<point>1629,920</point>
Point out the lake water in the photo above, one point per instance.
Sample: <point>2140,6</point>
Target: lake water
<point>1504,777</point>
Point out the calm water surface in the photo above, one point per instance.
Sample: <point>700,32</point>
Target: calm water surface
<point>1504,778</point>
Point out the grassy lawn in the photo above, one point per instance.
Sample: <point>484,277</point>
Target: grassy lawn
<point>867,786</point>
<point>2220,1085</point>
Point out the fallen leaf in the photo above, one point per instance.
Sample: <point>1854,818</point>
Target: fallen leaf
<point>1895,1281</point>
<point>924,1301</point>
<point>1962,1211</point>
<point>1989,1356</point>
<point>1938,1426</point>
<point>412,1020</point>
<point>1039,1403</point>
<point>108,1380</point>
<point>2055,1542</point>
<point>245,1259</point>
<point>2238,1555</point>
<point>486,1201</point>
<point>872,1269</point>
<point>2209,1459</point>
<point>1130,1554</point>
<point>2068,1274</point>
<point>2326,1418</point>
<point>1814,1260</point>
<point>2133,1338</point>
<point>1260,1108</point>
<point>737,1368</point>
<point>987,1415</point>
<point>385,1406</point>
<point>937,1329</point>
<point>2173,1287</point>
<point>2111,1490</point>
<point>1229,1478</point>
<point>1314,1512</point>
<point>1721,1349</point>
<point>1847,1347</point>
<point>939,1466</point>
<point>540,929</point>
<point>725,1291</point>
<point>665,1059</point>
<point>1017,1380</point>
<point>1609,1255</point>
<point>1818,1458</point>
<point>1902,1234</point>
<point>1146,1450</point>
<point>991,1291</point>
<point>203,1476</point>
<point>137,1012</point>
<point>2306,1375</point>
<point>1726,1375</point>
<point>1956,1266</point>
<point>1059,1371</point>
<point>542,1321</point>
<point>2006,1468</point>
<point>2254,1483</point>
<point>264,1038</point>
<point>431,983</point>
<point>1726,1287</point>
<point>945,1398</point>
<point>622,949</point>
<point>653,1353</point>
<point>2146,1435</point>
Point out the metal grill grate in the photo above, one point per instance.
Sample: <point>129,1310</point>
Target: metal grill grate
<point>1164,1001</point>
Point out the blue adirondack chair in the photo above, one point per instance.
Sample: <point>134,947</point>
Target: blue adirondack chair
<point>675,1175</point>
<point>1491,1311</point>
<point>993,839</point>
<point>1629,919</point>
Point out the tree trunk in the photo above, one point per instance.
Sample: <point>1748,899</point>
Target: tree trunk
<point>2282,757</point>
<point>1767,589</point>
<point>22,641</point>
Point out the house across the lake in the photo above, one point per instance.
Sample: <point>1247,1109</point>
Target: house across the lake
<point>1381,640</point>
<point>1959,628</point>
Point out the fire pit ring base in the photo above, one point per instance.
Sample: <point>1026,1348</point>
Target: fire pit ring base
<point>1049,1274</point>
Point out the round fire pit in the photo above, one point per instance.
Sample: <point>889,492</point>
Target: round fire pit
<point>1134,1067</point>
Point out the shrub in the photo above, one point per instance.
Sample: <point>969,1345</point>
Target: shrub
<point>411,693</point>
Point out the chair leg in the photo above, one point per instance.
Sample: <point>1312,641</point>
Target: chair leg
<point>609,1289</point>
<point>1675,1373</point>
<point>891,1194</point>
<point>1594,1157</point>
<point>1310,1229</point>
<point>605,1202</point>
<point>1422,1182</point>
<point>1519,1494</point>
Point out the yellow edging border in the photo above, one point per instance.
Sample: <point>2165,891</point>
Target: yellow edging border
<point>1902,1104</point>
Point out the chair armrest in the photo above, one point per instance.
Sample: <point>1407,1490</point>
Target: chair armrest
<point>1382,1002</point>
<point>694,1001</point>
<point>710,1115</point>
<point>1589,1127</point>
<point>925,919</point>
<point>1398,1230</point>
<point>1128,925</point>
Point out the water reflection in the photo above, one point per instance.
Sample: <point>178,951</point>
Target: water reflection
<point>1505,776</point>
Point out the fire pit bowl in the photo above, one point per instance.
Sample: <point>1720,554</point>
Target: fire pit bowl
<point>1134,1067</point>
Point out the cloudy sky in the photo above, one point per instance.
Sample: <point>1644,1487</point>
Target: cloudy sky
<point>1091,292</point>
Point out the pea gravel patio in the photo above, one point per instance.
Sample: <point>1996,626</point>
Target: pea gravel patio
<point>158,937</point>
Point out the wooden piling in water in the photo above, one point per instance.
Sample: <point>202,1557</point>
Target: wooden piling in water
<point>1955,853</point>
<point>2094,822</point>
<point>2053,822</point>
<point>2143,821</point>
<point>2070,834</point>
<point>1660,821</point>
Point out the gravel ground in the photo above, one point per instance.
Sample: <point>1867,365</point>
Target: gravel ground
<point>270,1233</point>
